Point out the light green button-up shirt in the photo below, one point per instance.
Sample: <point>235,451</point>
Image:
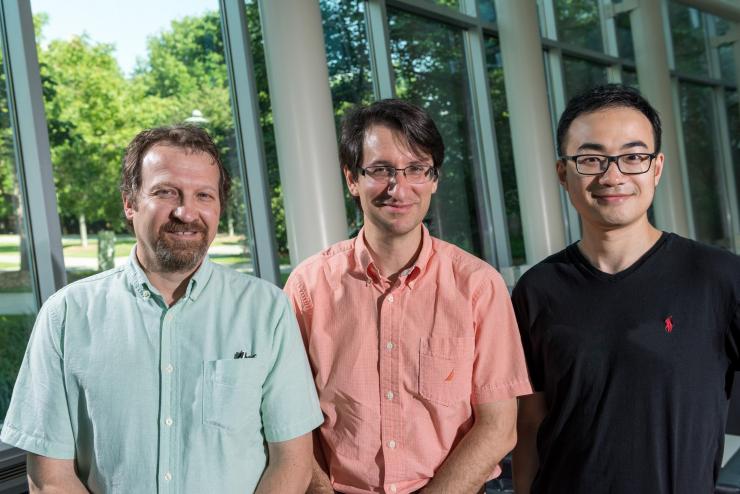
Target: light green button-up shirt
<point>148,398</point>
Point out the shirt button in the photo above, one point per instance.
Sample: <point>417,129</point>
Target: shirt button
<point>168,317</point>
<point>392,444</point>
<point>168,476</point>
<point>393,487</point>
<point>389,395</point>
<point>390,298</point>
<point>169,369</point>
<point>389,345</point>
<point>168,421</point>
<point>145,294</point>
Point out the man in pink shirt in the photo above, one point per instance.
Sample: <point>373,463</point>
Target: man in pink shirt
<point>413,342</point>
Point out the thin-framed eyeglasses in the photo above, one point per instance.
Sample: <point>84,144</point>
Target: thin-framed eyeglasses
<point>598,164</point>
<point>415,174</point>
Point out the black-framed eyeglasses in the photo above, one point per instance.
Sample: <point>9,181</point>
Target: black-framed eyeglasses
<point>597,164</point>
<point>415,174</point>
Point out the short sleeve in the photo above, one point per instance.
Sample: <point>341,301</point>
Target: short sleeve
<point>290,405</point>
<point>499,369</point>
<point>38,418</point>
<point>299,301</point>
<point>521,305</point>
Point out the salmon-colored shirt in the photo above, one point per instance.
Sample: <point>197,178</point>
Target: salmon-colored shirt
<point>399,366</point>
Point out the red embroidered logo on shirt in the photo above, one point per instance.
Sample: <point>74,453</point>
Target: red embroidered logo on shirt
<point>669,324</point>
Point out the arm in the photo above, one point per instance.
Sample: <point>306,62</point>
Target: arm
<point>52,476</point>
<point>492,436</point>
<point>288,466</point>
<point>320,483</point>
<point>532,410</point>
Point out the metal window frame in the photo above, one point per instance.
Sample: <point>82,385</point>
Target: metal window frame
<point>249,142</point>
<point>32,153</point>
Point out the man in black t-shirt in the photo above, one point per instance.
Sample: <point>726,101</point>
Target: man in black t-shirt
<point>631,335</point>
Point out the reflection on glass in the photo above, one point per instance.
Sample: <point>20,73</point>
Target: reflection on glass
<point>350,75</point>
<point>697,117</point>
<point>624,36</point>
<point>687,33</point>
<point>505,151</point>
<point>446,3</point>
<point>17,300</point>
<point>429,63</point>
<point>629,78</point>
<point>578,23</point>
<point>487,10</point>
<point>95,104</point>
<point>725,52</point>
<point>733,125</point>
<point>581,75</point>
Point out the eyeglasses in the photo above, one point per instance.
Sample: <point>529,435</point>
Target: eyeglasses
<point>597,164</point>
<point>415,174</point>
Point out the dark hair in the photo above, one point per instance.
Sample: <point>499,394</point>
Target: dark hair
<point>189,137</point>
<point>409,120</point>
<point>605,97</point>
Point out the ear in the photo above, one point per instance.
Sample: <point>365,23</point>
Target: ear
<point>128,207</point>
<point>352,184</point>
<point>658,167</point>
<point>561,169</point>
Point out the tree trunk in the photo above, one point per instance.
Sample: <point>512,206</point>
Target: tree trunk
<point>230,222</point>
<point>83,230</point>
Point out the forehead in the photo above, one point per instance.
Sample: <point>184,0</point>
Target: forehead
<point>610,127</point>
<point>166,162</point>
<point>382,141</point>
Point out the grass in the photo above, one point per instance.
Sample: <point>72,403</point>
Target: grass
<point>14,333</point>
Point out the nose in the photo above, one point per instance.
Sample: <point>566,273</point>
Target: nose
<point>185,211</point>
<point>612,175</point>
<point>395,182</point>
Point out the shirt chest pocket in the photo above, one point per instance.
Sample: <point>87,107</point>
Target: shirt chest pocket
<point>446,369</point>
<point>232,393</point>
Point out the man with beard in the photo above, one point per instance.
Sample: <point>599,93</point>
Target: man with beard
<point>631,334</point>
<point>169,373</point>
<point>413,341</point>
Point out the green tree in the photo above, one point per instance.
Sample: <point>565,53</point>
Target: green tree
<point>90,119</point>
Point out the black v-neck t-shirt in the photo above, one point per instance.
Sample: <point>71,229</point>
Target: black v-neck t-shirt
<point>635,367</point>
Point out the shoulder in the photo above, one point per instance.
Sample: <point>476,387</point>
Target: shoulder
<point>88,288</point>
<point>541,274</point>
<point>237,283</point>
<point>464,266</point>
<point>701,259</point>
<point>327,266</point>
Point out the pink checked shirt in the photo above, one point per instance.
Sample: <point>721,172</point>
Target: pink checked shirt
<point>399,366</point>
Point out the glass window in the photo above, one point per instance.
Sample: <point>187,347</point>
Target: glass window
<point>429,63</point>
<point>733,124</point>
<point>581,75</point>
<point>102,85</point>
<point>350,74</point>
<point>725,52</point>
<point>17,300</point>
<point>697,118</point>
<point>578,23</point>
<point>487,10</point>
<point>446,3</point>
<point>505,150</point>
<point>687,33</point>
<point>629,77</point>
<point>624,36</point>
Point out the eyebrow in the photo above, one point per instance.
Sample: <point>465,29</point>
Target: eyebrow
<point>388,163</point>
<point>593,146</point>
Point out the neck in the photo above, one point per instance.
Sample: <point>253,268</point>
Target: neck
<point>615,250</point>
<point>393,253</point>
<point>171,285</point>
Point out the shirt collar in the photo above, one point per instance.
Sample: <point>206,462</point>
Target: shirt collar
<point>364,259</point>
<point>143,287</point>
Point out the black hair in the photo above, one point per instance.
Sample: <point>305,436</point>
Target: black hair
<point>605,97</point>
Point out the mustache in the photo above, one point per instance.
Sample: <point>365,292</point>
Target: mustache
<point>178,226</point>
